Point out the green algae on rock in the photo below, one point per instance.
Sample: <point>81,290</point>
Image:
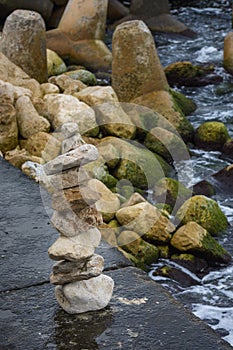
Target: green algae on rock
<point>195,239</point>
<point>204,211</point>
<point>211,135</point>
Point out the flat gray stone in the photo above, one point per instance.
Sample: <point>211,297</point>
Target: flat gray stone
<point>141,315</point>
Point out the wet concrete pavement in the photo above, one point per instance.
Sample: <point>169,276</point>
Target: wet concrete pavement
<point>141,314</point>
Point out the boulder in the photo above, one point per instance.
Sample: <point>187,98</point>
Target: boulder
<point>77,248</point>
<point>227,150</point>
<point>65,108</point>
<point>24,31</point>
<point>193,238</point>
<point>88,295</point>
<point>29,121</point>
<point>55,64</point>
<point>8,127</point>
<point>147,221</point>
<point>134,199</point>
<point>66,84</point>
<point>137,164</point>
<point>205,212</point>
<point>72,271</point>
<point>97,95</point>
<point>13,74</point>
<point>43,145</point>
<point>116,10</point>
<point>136,69</point>
<point>10,93</point>
<point>167,144</point>
<point>144,253</point>
<point>163,103</point>
<point>211,136</point>
<point>113,121</point>
<point>107,204</point>
<point>171,191</point>
<point>187,74</point>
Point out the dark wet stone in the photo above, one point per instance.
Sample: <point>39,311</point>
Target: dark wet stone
<point>211,321</point>
<point>222,332</point>
<point>141,315</point>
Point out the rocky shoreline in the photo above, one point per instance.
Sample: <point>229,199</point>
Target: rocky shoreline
<point>137,133</point>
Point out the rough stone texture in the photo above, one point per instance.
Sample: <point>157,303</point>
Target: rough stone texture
<point>138,165</point>
<point>108,203</point>
<point>64,108</point>
<point>77,157</point>
<point>195,239</point>
<point>29,121</point>
<point>211,136</point>
<point>70,224</point>
<point>112,120</point>
<point>77,248</point>
<point>43,145</point>
<point>205,212</point>
<point>92,54</point>
<point>134,199</point>
<point>18,157</point>
<point>167,144</point>
<point>67,271</point>
<point>82,296</point>
<point>97,95</point>
<point>143,252</point>
<point>149,8</point>
<point>136,69</point>
<point>8,127</point>
<point>227,150</point>
<point>55,64</point>
<point>66,84</point>
<point>23,42</point>
<point>13,74</point>
<point>84,20</point>
<point>69,130</point>
<point>83,75</point>
<point>145,219</point>
<point>163,103</point>
<point>11,92</point>
<point>228,53</point>
<point>48,88</point>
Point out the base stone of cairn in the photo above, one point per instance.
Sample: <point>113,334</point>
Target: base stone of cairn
<point>80,284</point>
<point>24,43</point>
<point>79,35</point>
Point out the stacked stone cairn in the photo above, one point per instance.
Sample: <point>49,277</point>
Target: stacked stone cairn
<point>80,284</point>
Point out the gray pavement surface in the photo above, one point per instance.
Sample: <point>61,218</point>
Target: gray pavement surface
<point>141,315</point>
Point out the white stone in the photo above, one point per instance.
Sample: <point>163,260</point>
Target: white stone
<point>79,247</point>
<point>77,157</point>
<point>63,108</point>
<point>82,296</point>
<point>69,129</point>
<point>71,143</point>
<point>96,95</point>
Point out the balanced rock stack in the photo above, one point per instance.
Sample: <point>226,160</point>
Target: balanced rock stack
<point>80,284</point>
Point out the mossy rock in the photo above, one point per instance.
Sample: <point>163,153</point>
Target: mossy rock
<point>133,244</point>
<point>184,279</point>
<point>204,211</point>
<point>167,144</point>
<point>84,76</point>
<point>172,191</point>
<point>211,136</point>
<point>187,105</point>
<point>55,64</point>
<point>187,74</point>
<point>138,165</point>
<point>195,239</point>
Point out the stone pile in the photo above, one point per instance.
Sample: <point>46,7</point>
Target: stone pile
<point>80,284</point>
